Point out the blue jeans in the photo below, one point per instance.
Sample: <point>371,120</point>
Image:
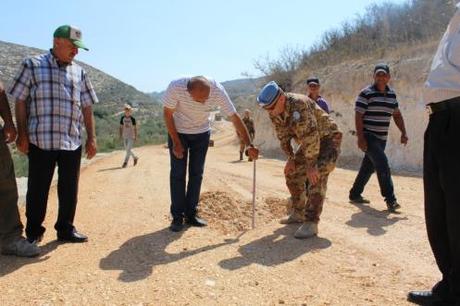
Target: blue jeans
<point>184,201</point>
<point>374,160</point>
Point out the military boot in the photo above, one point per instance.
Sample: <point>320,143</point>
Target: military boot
<point>241,155</point>
<point>293,217</point>
<point>307,230</point>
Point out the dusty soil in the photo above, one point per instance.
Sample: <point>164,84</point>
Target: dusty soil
<point>362,256</point>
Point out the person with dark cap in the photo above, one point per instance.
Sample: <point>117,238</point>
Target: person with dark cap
<point>54,98</point>
<point>297,117</point>
<point>441,168</point>
<point>11,240</point>
<point>313,87</point>
<point>374,108</point>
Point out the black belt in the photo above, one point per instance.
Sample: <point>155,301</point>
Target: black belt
<point>443,105</point>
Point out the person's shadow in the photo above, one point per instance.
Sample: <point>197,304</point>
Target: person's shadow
<point>137,257</point>
<point>9,264</point>
<point>374,220</point>
<point>274,249</point>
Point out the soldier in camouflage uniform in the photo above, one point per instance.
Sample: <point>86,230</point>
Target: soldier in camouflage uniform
<point>299,118</point>
<point>249,123</point>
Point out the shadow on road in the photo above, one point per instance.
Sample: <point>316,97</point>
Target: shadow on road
<point>137,257</point>
<point>275,249</point>
<point>374,220</point>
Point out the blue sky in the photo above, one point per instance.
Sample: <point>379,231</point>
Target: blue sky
<point>148,43</point>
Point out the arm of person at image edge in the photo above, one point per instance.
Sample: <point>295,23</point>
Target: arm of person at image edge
<point>9,131</point>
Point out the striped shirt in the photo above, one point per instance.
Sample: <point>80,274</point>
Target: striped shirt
<point>54,96</point>
<point>191,117</point>
<point>378,108</point>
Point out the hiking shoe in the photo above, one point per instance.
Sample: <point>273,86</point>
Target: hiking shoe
<point>291,219</point>
<point>21,248</point>
<point>393,206</point>
<point>125,164</point>
<point>135,160</point>
<point>307,230</point>
<point>359,200</point>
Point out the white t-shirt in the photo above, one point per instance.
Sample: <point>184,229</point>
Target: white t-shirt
<point>191,117</point>
<point>443,81</point>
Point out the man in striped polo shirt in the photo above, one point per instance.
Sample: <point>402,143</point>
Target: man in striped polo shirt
<point>375,106</point>
<point>187,106</point>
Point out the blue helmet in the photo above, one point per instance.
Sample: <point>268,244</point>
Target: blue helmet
<point>269,94</point>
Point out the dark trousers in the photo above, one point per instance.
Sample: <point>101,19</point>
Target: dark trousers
<point>441,178</point>
<point>10,222</point>
<point>184,201</point>
<point>376,160</point>
<point>42,164</point>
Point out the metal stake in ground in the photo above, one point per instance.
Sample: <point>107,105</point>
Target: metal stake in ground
<point>254,195</point>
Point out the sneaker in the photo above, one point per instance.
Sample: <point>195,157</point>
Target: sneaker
<point>125,164</point>
<point>177,225</point>
<point>21,248</point>
<point>307,230</point>
<point>292,218</point>
<point>359,200</point>
<point>135,160</point>
<point>393,206</point>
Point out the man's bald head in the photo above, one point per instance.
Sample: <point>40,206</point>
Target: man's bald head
<point>199,88</point>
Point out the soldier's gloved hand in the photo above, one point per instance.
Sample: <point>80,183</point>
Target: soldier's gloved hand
<point>290,167</point>
<point>313,175</point>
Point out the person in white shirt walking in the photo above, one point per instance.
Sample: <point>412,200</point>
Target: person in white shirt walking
<point>441,168</point>
<point>128,132</point>
<point>187,106</point>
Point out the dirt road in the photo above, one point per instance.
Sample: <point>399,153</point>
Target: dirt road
<point>363,256</point>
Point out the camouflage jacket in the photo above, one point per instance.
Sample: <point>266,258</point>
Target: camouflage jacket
<point>249,123</point>
<point>305,122</point>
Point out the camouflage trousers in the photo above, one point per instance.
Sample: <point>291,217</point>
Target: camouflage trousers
<point>307,199</point>
<point>10,223</point>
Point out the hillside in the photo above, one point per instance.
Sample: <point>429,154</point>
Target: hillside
<point>403,35</point>
<point>110,90</point>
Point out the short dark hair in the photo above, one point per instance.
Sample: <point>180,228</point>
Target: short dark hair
<point>198,82</point>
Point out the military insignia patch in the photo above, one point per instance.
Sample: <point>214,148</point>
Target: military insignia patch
<point>296,116</point>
